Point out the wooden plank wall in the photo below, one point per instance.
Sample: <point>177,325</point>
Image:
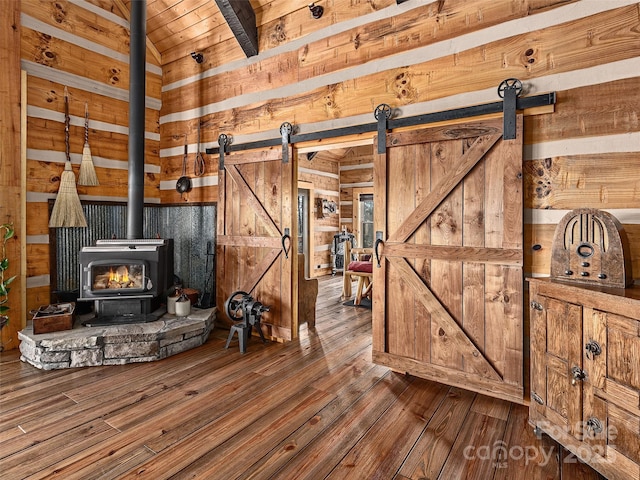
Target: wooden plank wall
<point>428,56</point>
<point>11,170</point>
<point>85,48</point>
<point>417,57</point>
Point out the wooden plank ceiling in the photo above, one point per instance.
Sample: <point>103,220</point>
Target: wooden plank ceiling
<point>171,23</point>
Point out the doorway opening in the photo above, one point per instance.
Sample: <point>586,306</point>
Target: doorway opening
<point>363,216</point>
<point>304,216</point>
<point>339,174</point>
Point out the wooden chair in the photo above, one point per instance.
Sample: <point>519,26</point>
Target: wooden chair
<point>360,269</point>
<point>307,295</point>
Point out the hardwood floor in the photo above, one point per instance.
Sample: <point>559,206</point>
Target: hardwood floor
<point>314,408</point>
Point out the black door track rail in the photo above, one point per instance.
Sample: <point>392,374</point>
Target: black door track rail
<point>509,90</point>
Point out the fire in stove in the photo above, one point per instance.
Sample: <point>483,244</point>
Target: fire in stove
<point>118,277</point>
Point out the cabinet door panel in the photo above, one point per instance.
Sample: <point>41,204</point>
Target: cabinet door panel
<point>624,432</point>
<point>596,407</point>
<point>595,333</point>
<point>557,338</point>
<point>612,393</point>
<point>557,328</point>
<point>558,392</point>
<point>623,347</point>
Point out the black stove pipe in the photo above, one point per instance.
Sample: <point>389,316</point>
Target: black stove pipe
<point>137,92</point>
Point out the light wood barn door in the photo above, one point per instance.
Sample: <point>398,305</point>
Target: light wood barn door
<point>448,295</point>
<point>255,213</point>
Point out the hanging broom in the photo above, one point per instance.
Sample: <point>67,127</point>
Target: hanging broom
<point>67,211</point>
<point>87,174</point>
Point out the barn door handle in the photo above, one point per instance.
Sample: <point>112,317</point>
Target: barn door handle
<point>286,248</point>
<point>375,248</point>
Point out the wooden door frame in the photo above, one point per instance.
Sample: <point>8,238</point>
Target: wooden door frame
<point>310,236</point>
<point>357,191</point>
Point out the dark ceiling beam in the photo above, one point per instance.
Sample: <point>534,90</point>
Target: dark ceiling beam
<point>242,20</point>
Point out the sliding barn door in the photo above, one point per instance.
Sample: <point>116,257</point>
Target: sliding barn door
<point>448,295</point>
<point>256,233</point>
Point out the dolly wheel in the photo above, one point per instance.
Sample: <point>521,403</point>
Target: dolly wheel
<point>510,84</point>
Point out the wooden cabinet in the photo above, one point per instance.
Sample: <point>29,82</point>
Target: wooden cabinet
<point>585,372</point>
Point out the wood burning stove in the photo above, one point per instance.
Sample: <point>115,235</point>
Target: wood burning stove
<point>126,279</point>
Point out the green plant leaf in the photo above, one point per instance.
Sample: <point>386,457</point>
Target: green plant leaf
<point>4,265</point>
<point>8,231</point>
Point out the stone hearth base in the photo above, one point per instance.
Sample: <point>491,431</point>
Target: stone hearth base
<point>116,344</point>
